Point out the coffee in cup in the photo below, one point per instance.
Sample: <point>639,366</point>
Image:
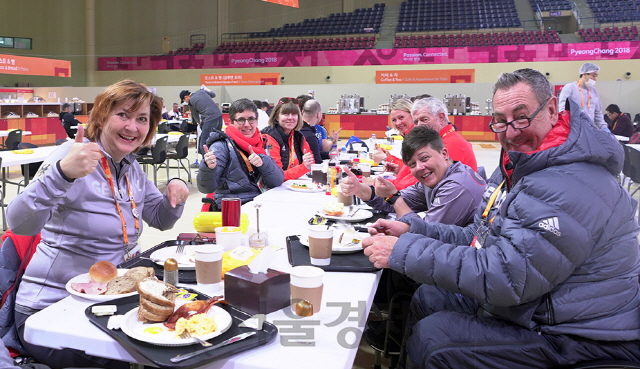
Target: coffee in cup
<point>346,200</point>
<point>306,285</point>
<point>317,175</point>
<point>320,244</point>
<point>208,266</point>
<point>366,169</point>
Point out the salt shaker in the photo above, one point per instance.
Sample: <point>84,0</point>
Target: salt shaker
<point>171,272</point>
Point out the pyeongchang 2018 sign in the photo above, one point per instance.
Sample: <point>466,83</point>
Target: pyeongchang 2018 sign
<point>437,55</point>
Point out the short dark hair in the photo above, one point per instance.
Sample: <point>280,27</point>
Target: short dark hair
<point>419,137</point>
<point>537,81</point>
<point>258,103</point>
<point>420,97</point>
<point>613,108</point>
<point>264,104</point>
<point>302,99</point>
<point>65,106</point>
<point>240,106</point>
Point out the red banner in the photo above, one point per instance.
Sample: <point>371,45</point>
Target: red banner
<point>425,76</point>
<point>620,50</point>
<point>11,64</point>
<point>292,3</point>
<point>240,79</point>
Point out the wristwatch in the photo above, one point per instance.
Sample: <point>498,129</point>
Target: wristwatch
<point>393,198</point>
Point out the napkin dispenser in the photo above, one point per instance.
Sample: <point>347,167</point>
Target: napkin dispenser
<point>260,293</point>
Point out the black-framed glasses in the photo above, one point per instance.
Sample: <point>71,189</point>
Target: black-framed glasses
<point>520,123</point>
<point>242,121</point>
<point>285,100</point>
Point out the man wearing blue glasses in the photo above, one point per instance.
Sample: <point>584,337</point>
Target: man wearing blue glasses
<point>547,275</point>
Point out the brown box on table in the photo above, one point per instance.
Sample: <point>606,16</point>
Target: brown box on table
<point>257,293</point>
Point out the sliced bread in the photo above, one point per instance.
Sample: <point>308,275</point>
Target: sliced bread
<point>120,285</point>
<point>153,308</point>
<point>146,316</point>
<point>157,291</point>
<point>140,273</point>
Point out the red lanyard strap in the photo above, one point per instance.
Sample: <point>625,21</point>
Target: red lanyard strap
<point>134,209</point>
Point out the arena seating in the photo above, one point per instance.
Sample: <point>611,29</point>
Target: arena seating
<point>478,39</point>
<point>550,5</point>
<point>359,21</point>
<point>609,11</point>
<point>434,15</point>
<point>193,50</point>
<point>344,43</point>
<point>609,34</point>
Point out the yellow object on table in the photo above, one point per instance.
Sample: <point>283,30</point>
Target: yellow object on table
<point>175,133</point>
<point>369,161</point>
<point>23,151</point>
<point>241,255</point>
<point>384,146</point>
<point>208,221</point>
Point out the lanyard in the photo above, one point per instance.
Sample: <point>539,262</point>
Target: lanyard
<point>492,199</point>
<point>481,232</point>
<point>248,164</point>
<point>134,210</point>
<point>449,130</point>
<point>581,97</point>
<point>292,153</point>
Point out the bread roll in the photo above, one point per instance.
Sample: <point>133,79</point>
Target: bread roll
<point>103,271</point>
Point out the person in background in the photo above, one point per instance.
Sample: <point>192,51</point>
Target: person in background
<point>267,108</point>
<point>433,113</point>
<point>308,130</point>
<point>547,275</point>
<point>302,99</point>
<point>286,145</point>
<point>312,114</point>
<point>204,112</point>
<point>263,118</point>
<point>585,94</point>
<point>400,115</point>
<point>236,163</point>
<point>88,201</point>
<point>68,120</point>
<point>165,113</point>
<point>621,124</point>
<point>176,112</point>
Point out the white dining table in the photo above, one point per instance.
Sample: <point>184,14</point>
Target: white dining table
<point>622,138</point>
<point>6,133</point>
<point>335,332</point>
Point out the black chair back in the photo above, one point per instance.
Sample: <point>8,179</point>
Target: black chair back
<point>627,169</point>
<point>32,167</point>
<point>163,128</point>
<point>61,141</point>
<point>13,140</point>
<point>159,151</point>
<point>634,161</point>
<point>182,147</point>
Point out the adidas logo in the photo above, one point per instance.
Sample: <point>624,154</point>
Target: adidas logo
<point>436,201</point>
<point>551,225</point>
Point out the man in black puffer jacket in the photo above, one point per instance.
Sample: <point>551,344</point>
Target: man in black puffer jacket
<point>552,277</point>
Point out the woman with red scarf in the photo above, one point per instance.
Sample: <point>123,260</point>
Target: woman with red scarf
<point>236,163</point>
<point>288,146</point>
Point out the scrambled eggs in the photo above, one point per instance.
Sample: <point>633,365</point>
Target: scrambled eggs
<point>198,325</point>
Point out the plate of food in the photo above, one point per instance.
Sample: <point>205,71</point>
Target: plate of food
<point>186,260</point>
<point>337,211</point>
<point>105,282</point>
<point>344,241</point>
<point>162,317</point>
<point>304,187</point>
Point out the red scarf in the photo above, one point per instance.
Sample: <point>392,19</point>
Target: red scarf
<point>244,143</point>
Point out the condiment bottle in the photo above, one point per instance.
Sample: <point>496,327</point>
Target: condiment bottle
<point>332,174</point>
<point>355,168</point>
<point>171,271</point>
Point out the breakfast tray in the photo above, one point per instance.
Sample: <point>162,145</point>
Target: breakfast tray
<point>184,276</point>
<point>355,262</point>
<point>160,355</point>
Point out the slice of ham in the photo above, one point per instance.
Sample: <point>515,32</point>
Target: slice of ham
<point>90,288</point>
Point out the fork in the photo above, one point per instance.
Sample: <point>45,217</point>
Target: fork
<point>185,334</point>
<point>180,250</point>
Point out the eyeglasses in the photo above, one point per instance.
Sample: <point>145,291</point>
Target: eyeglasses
<point>285,100</point>
<point>242,121</point>
<point>594,74</point>
<point>520,123</point>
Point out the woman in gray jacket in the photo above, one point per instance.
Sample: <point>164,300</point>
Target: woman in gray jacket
<point>236,162</point>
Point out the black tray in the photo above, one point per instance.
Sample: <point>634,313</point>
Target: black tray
<point>184,276</point>
<point>160,355</point>
<point>354,262</point>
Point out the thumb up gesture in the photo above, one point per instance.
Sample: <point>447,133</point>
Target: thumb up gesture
<point>82,159</point>
<point>254,158</point>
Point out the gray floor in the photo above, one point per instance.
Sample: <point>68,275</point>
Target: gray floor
<point>486,154</point>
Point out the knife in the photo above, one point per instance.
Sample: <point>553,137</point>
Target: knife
<point>231,340</point>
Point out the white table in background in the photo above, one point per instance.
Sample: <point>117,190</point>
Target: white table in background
<point>622,138</point>
<point>6,133</point>
<point>283,213</point>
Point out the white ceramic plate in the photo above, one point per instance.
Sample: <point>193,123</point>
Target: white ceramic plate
<point>136,329</point>
<point>186,261</point>
<point>338,248</point>
<point>360,215</point>
<point>310,187</point>
<point>379,168</point>
<point>84,278</point>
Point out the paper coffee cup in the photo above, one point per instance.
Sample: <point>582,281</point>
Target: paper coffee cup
<point>208,267</point>
<point>346,200</point>
<point>228,237</point>
<point>320,244</point>
<point>366,169</point>
<point>306,285</point>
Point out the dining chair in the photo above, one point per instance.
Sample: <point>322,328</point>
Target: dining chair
<point>61,141</point>
<point>13,139</point>
<point>2,205</point>
<point>156,159</point>
<point>181,153</point>
<point>30,169</point>
<point>163,128</point>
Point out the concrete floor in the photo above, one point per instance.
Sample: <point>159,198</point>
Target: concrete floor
<point>486,155</point>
